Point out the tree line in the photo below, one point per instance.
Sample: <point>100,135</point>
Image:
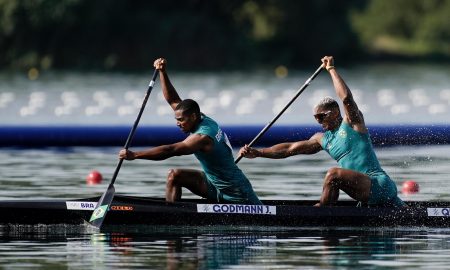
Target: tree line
<point>219,34</point>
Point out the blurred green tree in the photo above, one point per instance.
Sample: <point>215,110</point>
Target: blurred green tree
<point>215,35</point>
<point>405,27</point>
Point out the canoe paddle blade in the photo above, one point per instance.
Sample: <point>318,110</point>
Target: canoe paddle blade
<point>103,204</point>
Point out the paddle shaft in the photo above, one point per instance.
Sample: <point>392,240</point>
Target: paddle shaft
<point>308,81</point>
<point>105,201</point>
<point>133,129</point>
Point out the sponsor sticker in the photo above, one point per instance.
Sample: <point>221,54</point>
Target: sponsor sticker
<point>237,209</point>
<point>80,205</point>
<point>438,212</point>
<point>121,208</point>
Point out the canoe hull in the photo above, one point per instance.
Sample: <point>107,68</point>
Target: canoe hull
<point>127,210</point>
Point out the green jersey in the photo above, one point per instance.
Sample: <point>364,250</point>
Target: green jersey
<point>351,149</point>
<point>354,151</point>
<point>227,181</point>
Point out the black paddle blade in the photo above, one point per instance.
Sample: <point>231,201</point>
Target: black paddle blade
<point>99,214</point>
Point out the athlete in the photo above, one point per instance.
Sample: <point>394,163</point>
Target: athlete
<point>346,139</point>
<point>221,180</point>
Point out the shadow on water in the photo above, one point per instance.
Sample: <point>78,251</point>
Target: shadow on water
<point>220,247</point>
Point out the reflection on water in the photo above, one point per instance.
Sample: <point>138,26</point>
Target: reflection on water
<point>214,248</point>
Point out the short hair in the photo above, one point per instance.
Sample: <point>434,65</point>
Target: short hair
<point>327,103</point>
<point>188,106</point>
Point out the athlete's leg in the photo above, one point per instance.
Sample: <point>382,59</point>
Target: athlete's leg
<point>356,185</point>
<point>193,180</point>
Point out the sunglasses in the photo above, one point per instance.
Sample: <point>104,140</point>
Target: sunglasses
<point>320,116</point>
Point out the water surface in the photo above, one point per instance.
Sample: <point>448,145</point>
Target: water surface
<point>60,173</point>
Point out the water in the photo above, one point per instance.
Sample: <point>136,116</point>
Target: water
<point>209,249</point>
<point>70,98</point>
<point>60,173</point>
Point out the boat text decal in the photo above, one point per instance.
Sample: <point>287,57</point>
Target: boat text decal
<point>80,205</point>
<point>237,209</point>
<point>121,208</point>
<point>77,205</point>
<point>438,212</point>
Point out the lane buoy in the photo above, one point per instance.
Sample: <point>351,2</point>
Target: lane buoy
<point>410,187</point>
<point>94,178</point>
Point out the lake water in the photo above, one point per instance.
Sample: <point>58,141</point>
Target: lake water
<point>202,248</point>
<point>61,172</point>
<point>42,173</point>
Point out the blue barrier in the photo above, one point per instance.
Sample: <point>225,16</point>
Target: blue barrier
<point>43,136</point>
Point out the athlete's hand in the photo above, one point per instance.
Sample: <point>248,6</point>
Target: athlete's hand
<point>327,61</point>
<point>160,64</point>
<point>126,154</point>
<point>249,152</point>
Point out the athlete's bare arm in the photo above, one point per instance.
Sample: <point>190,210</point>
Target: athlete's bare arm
<point>284,150</point>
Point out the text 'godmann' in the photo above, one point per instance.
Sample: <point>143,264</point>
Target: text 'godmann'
<point>237,209</point>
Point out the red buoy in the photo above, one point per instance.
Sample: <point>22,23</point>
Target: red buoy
<point>94,178</point>
<point>410,187</point>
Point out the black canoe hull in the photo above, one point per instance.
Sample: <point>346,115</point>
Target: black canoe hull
<point>127,210</point>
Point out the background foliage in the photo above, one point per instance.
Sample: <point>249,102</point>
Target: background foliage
<point>220,34</point>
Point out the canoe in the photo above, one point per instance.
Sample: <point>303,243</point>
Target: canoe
<point>130,210</point>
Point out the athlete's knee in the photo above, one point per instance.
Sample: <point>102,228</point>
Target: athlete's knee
<point>332,177</point>
<point>173,176</point>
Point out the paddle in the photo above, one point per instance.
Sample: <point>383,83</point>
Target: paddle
<point>283,110</point>
<point>103,204</point>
